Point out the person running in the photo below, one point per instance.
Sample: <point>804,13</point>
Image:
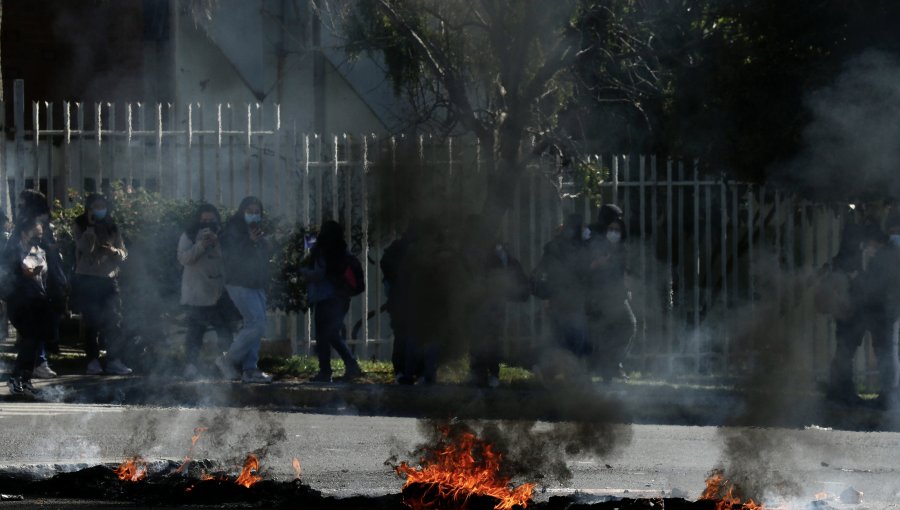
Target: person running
<point>99,253</point>
<point>324,270</point>
<point>25,263</point>
<point>246,251</point>
<point>203,284</point>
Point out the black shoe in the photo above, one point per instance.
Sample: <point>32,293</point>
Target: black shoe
<point>15,386</point>
<point>30,389</point>
<point>353,374</point>
<point>321,377</point>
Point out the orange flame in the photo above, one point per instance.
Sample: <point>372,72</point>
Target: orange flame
<point>296,463</point>
<point>247,477</point>
<point>469,466</point>
<point>716,484</point>
<point>132,470</point>
<point>198,431</point>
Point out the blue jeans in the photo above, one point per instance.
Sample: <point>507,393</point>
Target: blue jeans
<point>251,303</point>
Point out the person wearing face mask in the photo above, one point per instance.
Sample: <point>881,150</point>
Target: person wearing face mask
<point>33,204</point>
<point>246,251</point>
<point>494,277</point>
<point>203,285</point>
<point>611,322</point>
<point>29,305</point>
<point>559,279</point>
<point>99,253</point>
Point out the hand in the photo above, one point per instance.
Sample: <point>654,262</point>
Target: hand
<point>32,272</point>
<point>600,261</point>
<point>256,233</point>
<point>209,240</point>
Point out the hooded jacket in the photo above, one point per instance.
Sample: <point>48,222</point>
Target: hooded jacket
<point>246,260</point>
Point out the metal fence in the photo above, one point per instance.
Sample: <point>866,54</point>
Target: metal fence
<point>702,250</point>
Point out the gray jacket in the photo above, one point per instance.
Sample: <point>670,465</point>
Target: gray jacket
<point>203,279</point>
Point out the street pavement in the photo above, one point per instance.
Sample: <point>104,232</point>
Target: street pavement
<point>345,454</point>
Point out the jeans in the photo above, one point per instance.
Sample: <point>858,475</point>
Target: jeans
<point>200,318</point>
<point>32,322</point>
<point>329,318</point>
<point>251,303</point>
<point>101,311</point>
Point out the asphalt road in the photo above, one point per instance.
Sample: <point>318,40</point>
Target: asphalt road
<point>346,455</point>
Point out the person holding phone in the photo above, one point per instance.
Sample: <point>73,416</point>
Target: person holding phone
<point>99,253</point>
<point>246,251</point>
<point>203,284</point>
<point>29,304</point>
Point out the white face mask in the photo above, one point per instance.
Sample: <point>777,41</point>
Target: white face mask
<point>585,234</point>
<point>895,239</point>
<point>613,236</point>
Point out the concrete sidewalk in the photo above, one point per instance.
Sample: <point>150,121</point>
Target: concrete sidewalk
<point>622,403</point>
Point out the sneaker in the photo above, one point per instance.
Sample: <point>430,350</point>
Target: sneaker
<point>321,377</point>
<point>43,371</point>
<point>15,386</point>
<point>29,388</point>
<point>493,381</point>
<point>226,368</point>
<point>116,367</point>
<point>94,367</point>
<point>191,372</point>
<point>255,376</point>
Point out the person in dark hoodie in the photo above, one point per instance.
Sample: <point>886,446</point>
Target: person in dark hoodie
<point>393,264</point>
<point>495,278</point>
<point>33,204</point>
<point>611,322</point>
<point>25,264</point>
<point>99,253</point>
<point>247,251</point>
<point>324,269</point>
<point>558,279</point>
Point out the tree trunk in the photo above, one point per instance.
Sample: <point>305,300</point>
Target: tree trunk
<point>502,182</point>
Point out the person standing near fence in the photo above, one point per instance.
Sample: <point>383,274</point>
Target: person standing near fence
<point>611,322</point>
<point>99,253</point>
<point>560,279</point>
<point>246,251</point>
<point>203,285</point>
<point>393,263</point>
<point>25,286</point>
<point>495,278</point>
<point>33,204</point>
<point>327,271</point>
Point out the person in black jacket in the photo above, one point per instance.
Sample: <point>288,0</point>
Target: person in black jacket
<point>33,204</point>
<point>246,251</point>
<point>25,264</point>
<point>611,322</point>
<point>495,278</point>
<point>324,270</point>
<point>393,264</point>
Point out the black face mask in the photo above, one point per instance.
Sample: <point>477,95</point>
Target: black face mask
<point>34,241</point>
<point>211,225</point>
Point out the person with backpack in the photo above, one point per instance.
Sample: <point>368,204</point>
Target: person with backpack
<point>99,253</point>
<point>203,285</point>
<point>246,251</point>
<point>333,276</point>
<point>25,287</point>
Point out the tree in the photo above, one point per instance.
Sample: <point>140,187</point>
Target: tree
<point>499,69</point>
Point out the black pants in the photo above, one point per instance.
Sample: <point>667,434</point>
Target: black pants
<point>400,328</point>
<point>33,322</point>
<point>201,318</point>
<point>484,356</point>
<point>611,328</point>
<point>101,313</point>
<point>329,318</point>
